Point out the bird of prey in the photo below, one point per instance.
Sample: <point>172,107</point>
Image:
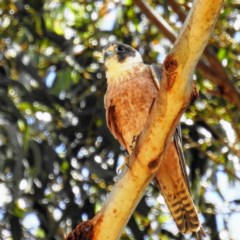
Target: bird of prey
<point>132,87</point>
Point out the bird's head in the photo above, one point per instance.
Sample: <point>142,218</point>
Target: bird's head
<point>120,57</point>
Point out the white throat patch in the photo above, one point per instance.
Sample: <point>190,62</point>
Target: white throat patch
<point>119,70</point>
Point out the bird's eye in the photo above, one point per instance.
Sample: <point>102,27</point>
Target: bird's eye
<point>120,49</point>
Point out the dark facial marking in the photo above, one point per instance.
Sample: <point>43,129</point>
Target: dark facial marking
<point>122,50</point>
<point>125,52</point>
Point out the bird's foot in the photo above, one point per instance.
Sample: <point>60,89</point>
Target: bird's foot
<point>134,140</point>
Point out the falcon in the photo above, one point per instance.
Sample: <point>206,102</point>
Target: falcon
<point>132,87</point>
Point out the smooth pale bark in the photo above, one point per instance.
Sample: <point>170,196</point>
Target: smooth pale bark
<point>174,96</point>
<point>212,68</point>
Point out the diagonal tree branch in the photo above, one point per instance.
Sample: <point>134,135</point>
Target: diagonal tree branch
<point>174,96</point>
<point>177,9</point>
<point>212,69</point>
<point>156,19</point>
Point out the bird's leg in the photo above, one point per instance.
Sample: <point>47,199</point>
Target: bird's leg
<point>127,161</point>
<point>134,140</point>
<point>126,158</point>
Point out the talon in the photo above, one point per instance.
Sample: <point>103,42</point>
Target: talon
<point>134,140</point>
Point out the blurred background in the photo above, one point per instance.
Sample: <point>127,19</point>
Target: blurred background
<point>58,160</point>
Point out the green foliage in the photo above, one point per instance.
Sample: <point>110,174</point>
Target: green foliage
<point>58,159</point>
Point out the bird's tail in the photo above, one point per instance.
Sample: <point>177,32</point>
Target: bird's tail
<point>174,186</point>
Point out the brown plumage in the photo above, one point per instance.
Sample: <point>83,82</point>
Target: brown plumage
<point>132,88</point>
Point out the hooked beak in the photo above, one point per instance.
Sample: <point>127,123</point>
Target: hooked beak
<point>107,54</point>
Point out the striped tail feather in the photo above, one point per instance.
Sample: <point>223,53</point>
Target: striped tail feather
<point>182,209</point>
<point>173,183</point>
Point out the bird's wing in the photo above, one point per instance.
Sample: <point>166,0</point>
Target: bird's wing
<point>156,71</point>
<point>112,120</point>
<point>178,144</point>
<point>175,189</point>
<point>172,178</point>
